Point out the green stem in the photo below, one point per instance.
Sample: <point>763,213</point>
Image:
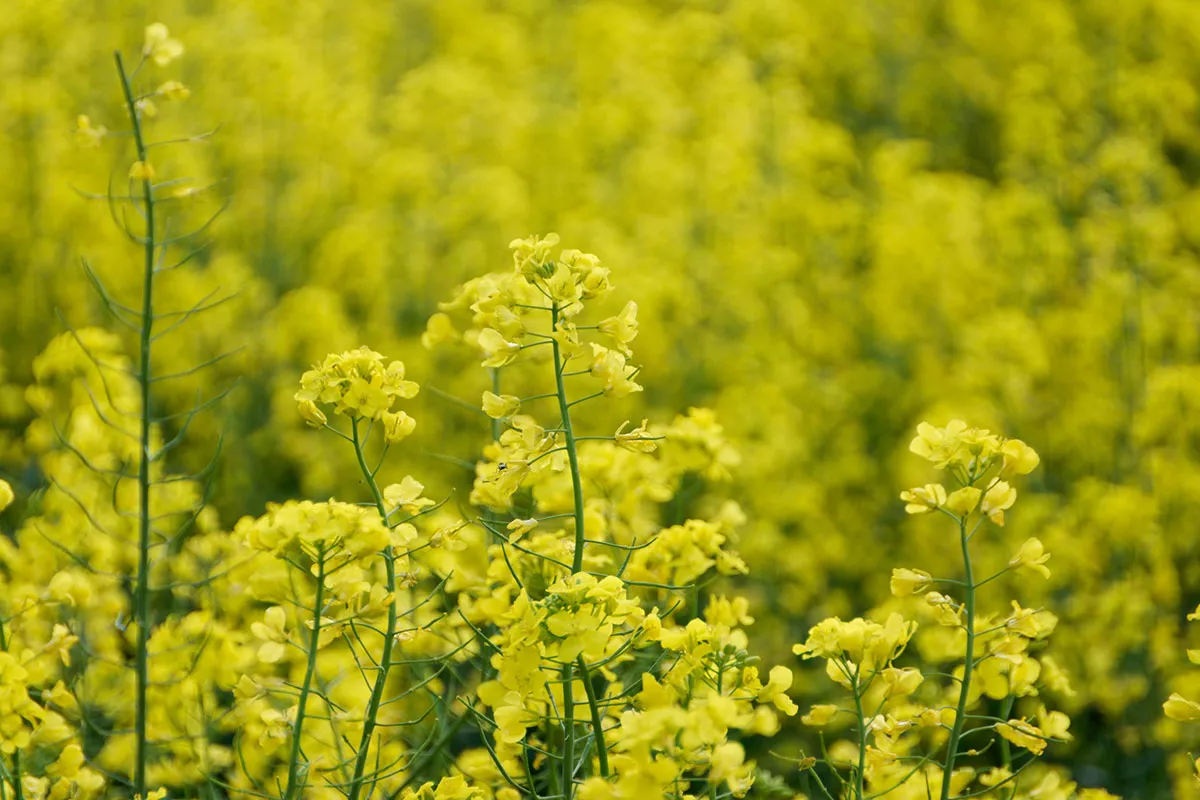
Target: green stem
<point>568,764</point>
<point>564,408</point>
<point>968,661</point>
<point>142,589</point>
<point>597,721</point>
<point>862,741</point>
<point>314,641</point>
<point>371,716</point>
<point>497,425</point>
<point>1005,750</point>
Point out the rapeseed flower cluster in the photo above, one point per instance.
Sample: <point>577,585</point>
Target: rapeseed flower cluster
<point>333,647</point>
<point>982,678</point>
<point>584,584</point>
<point>359,386</point>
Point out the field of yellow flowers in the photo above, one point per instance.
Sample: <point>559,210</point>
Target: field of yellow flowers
<point>600,399</point>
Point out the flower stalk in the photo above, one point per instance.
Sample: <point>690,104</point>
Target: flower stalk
<point>294,778</point>
<point>371,716</point>
<point>568,671</point>
<point>145,338</point>
<point>960,713</point>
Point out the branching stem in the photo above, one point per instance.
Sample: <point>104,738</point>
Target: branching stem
<point>145,380</point>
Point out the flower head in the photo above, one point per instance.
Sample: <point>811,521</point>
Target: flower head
<point>500,406</point>
<point>174,90</point>
<point>1032,557</point>
<point>86,134</point>
<point>909,581</point>
<point>159,46</point>
<point>924,499</point>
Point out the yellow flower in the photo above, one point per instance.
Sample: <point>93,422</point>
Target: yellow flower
<point>246,688</point>
<point>1019,458</point>
<point>273,634</point>
<point>1031,623</point>
<point>963,501</point>
<point>1032,557</point>
<point>998,498</point>
<point>6,495</point>
<point>174,90</point>
<point>61,642</point>
<point>397,426</point>
<point>779,681</point>
<point>623,328</point>
<point>366,399</point>
<point>1180,708</point>
<point>1054,723</point>
<point>402,535</point>
<point>512,720</point>
<point>909,581</point>
<point>820,715</point>
<point>69,588</point>
<point>994,776</point>
<point>61,698</point>
<point>924,499</point>
<point>500,406</point>
<point>945,609</point>
<point>531,255</point>
<point>519,527</point>
<point>902,681</point>
<point>563,290</point>
<point>1055,678</point>
<point>68,763</point>
<point>638,440</point>
<point>357,383</point>
<point>86,135</point>
<point>726,764</point>
<point>311,414</point>
<point>1023,734</point>
<point>141,171</point>
<point>406,496</point>
<point>570,346</point>
<point>610,367</point>
<point>497,350</point>
<point>508,322</point>
<point>438,330</point>
<point>595,282</point>
<point>939,445</point>
<point>160,47</point>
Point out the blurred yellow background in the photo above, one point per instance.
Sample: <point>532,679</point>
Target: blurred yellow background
<point>838,217</point>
